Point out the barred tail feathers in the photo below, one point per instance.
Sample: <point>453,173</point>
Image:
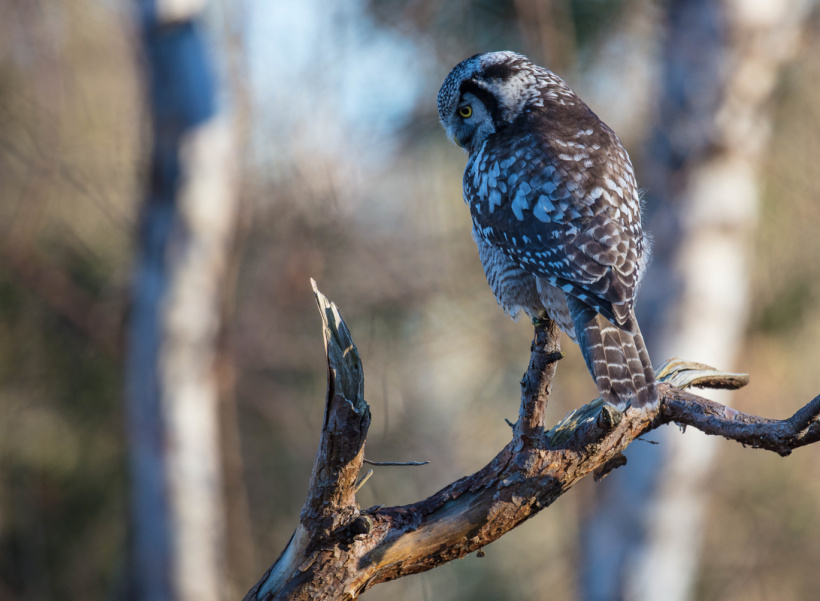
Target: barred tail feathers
<point>618,361</point>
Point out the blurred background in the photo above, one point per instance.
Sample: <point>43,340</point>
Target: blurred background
<point>343,174</point>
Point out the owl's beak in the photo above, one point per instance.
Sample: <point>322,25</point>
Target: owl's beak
<point>464,141</point>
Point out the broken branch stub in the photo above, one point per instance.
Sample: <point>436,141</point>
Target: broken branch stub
<point>331,497</point>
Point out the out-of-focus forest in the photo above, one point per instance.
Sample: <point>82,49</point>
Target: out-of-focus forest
<point>347,177</point>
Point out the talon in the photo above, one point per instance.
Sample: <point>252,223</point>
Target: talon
<point>539,321</point>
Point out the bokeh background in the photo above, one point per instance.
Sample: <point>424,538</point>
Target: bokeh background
<point>346,177</point>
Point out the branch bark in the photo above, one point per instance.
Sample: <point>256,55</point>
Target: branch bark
<point>338,551</point>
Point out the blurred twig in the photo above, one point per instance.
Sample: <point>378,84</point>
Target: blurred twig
<point>394,463</point>
<point>100,323</point>
<point>549,32</point>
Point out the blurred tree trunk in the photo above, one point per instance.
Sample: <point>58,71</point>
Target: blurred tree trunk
<point>721,62</point>
<point>183,248</point>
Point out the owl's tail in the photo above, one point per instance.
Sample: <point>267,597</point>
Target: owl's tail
<point>617,360</point>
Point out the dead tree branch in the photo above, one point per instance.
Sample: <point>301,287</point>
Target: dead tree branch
<point>338,551</point>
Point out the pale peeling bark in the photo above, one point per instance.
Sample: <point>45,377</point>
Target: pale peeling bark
<point>187,361</point>
<point>172,397</point>
<point>338,550</point>
<point>721,62</point>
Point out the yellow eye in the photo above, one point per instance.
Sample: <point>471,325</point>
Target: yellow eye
<point>465,111</point>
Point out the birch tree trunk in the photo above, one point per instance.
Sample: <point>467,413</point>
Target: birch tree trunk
<point>721,62</point>
<point>183,245</point>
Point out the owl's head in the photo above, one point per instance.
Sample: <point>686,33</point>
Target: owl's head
<point>486,93</point>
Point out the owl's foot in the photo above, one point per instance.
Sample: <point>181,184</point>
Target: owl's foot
<point>540,320</point>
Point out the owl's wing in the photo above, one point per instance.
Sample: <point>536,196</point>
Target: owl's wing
<point>536,207</point>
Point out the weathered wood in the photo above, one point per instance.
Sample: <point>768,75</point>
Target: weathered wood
<point>536,384</point>
<point>780,436</point>
<point>339,551</point>
<point>331,499</point>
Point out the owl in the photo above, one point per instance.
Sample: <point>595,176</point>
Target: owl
<point>556,212</point>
